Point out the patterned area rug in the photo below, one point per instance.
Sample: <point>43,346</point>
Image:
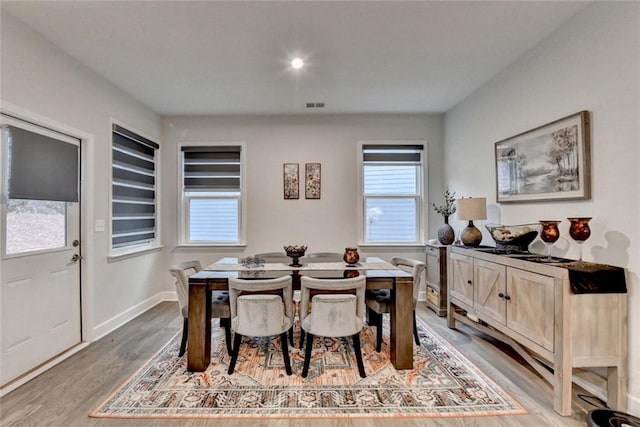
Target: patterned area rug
<point>443,383</point>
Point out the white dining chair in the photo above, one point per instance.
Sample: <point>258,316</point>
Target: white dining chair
<point>335,315</point>
<point>378,301</point>
<point>219,302</point>
<point>261,313</point>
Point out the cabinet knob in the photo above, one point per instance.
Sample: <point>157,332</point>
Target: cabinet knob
<point>507,297</point>
<point>469,282</point>
<point>501,295</point>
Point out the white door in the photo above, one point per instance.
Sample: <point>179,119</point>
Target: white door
<point>40,278</point>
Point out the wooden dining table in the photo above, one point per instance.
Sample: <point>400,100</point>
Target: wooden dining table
<point>379,273</point>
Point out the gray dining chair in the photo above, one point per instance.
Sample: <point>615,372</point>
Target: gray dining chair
<point>219,302</point>
<point>323,257</point>
<point>378,301</point>
<point>273,257</point>
<point>256,311</point>
<point>332,313</point>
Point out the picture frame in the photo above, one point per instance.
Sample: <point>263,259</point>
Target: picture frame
<point>548,163</point>
<point>312,180</point>
<point>291,180</point>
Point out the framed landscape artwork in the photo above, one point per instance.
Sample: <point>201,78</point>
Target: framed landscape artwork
<point>312,180</point>
<point>291,180</point>
<point>550,162</point>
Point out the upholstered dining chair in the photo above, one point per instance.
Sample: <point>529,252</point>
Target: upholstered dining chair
<point>334,313</point>
<point>378,301</point>
<point>219,302</point>
<point>323,257</point>
<point>256,311</point>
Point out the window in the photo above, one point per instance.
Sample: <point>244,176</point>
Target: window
<point>212,194</point>
<point>133,189</point>
<point>392,177</point>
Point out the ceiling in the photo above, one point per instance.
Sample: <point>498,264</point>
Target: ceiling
<point>213,57</point>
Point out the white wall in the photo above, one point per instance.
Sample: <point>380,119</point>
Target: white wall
<point>40,78</point>
<point>327,224</point>
<point>591,63</point>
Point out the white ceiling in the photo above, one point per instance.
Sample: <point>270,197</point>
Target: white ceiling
<point>212,57</point>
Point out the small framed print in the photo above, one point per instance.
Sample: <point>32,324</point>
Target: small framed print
<point>312,180</point>
<point>291,180</point>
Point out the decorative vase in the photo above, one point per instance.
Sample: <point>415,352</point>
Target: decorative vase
<point>446,235</point>
<point>351,256</point>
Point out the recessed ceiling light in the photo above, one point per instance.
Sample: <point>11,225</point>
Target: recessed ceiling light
<point>297,63</point>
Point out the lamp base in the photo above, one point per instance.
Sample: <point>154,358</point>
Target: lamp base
<point>470,235</point>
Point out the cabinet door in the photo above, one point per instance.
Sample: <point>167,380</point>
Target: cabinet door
<point>433,268</point>
<point>530,309</point>
<point>489,290</point>
<point>461,286</point>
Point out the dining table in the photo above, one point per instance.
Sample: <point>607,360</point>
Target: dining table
<point>379,273</point>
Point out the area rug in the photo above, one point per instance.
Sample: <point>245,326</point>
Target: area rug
<point>443,383</point>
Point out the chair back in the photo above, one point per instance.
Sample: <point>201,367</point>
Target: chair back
<point>416,269</point>
<point>182,272</point>
<point>260,314</point>
<point>323,257</point>
<point>274,257</point>
<point>334,315</point>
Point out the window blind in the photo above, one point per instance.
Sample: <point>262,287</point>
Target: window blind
<point>214,168</point>
<point>41,167</point>
<point>392,153</point>
<point>133,189</point>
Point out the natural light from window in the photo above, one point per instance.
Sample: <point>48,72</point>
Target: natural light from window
<point>35,225</point>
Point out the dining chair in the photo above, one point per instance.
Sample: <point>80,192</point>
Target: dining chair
<point>256,311</point>
<point>323,257</point>
<point>219,302</point>
<point>378,301</point>
<point>273,257</point>
<point>333,313</point>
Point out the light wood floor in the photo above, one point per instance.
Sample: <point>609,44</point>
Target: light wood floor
<point>64,395</point>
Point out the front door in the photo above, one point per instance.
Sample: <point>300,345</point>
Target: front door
<point>40,279</point>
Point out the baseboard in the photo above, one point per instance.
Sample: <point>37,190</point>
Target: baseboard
<point>633,405</point>
<point>126,316</point>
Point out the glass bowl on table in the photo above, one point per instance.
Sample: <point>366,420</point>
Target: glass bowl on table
<point>513,237</point>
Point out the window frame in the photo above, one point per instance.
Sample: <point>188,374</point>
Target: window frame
<point>155,243</point>
<point>183,211</point>
<point>420,196</point>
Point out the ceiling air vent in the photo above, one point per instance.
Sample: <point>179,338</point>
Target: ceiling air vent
<point>315,104</point>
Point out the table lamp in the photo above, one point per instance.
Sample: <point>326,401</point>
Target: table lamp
<point>468,210</point>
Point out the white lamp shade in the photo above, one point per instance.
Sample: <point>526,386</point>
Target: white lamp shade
<point>472,208</point>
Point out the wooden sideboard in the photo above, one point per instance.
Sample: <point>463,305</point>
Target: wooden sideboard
<point>566,337</point>
<point>436,278</point>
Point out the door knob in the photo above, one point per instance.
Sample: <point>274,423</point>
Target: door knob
<point>76,258</point>
<point>76,243</point>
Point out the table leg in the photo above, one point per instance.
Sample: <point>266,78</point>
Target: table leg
<point>199,338</point>
<point>402,323</point>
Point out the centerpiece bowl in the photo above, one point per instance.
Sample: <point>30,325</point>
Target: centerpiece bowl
<point>295,252</point>
<point>513,237</point>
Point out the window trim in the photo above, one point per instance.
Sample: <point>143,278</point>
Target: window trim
<point>421,220</point>
<point>155,244</point>
<point>183,210</point>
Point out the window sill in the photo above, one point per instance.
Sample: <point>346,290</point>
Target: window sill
<point>210,245</point>
<point>114,257</point>
<point>391,245</point>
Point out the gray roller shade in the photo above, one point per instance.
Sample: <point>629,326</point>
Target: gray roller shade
<point>41,167</point>
<point>212,168</point>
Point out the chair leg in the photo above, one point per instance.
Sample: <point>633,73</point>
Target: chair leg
<point>415,329</point>
<point>291,336</point>
<point>185,332</point>
<point>375,319</point>
<point>358,351</point>
<point>307,355</point>
<point>225,323</point>
<point>285,353</point>
<point>234,356</point>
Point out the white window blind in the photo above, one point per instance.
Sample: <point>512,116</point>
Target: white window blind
<point>133,213</point>
<point>212,190</point>
<point>392,193</point>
